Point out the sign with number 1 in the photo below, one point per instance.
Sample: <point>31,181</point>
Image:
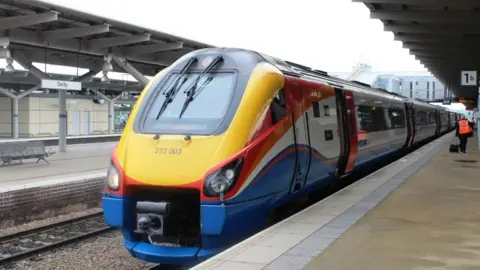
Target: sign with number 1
<point>469,78</point>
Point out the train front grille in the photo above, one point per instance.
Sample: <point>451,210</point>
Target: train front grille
<point>181,227</point>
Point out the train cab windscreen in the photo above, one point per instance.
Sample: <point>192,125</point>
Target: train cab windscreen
<point>199,113</point>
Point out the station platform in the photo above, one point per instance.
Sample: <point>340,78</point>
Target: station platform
<point>80,160</point>
<point>420,212</point>
<point>53,140</point>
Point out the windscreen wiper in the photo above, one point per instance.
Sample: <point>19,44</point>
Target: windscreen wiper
<point>191,89</point>
<point>172,92</point>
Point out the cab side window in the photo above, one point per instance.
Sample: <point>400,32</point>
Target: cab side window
<point>278,107</point>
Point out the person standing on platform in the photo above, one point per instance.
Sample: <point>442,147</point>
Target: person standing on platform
<point>463,132</point>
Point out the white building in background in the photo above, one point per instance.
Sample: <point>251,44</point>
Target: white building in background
<point>417,85</point>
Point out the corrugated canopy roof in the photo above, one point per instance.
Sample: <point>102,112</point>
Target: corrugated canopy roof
<point>40,32</point>
<point>444,35</point>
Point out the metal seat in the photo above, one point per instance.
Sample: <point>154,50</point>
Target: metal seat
<point>11,151</point>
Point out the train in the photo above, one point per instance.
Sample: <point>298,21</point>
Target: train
<point>224,137</point>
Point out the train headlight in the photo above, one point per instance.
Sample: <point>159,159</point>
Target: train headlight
<point>113,178</point>
<point>223,179</point>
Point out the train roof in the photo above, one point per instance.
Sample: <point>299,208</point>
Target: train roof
<point>298,70</point>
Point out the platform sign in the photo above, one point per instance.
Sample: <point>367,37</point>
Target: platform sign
<point>61,85</point>
<point>446,102</point>
<point>469,78</point>
<point>125,95</point>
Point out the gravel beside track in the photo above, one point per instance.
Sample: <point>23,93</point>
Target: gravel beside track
<point>103,252</point>
<point>39,223</point>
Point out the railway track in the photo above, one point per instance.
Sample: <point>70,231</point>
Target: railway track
<point>28,243</point>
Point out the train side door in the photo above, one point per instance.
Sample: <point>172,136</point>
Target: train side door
<point>408,116</point>
<point>351,128</point>
<point>343,132</point>
<point>449,121</point>
<point>438,122</point>
<point>301,137</point>
<point>413,115</point>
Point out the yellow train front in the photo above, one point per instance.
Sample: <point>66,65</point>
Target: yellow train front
<point>179,185</point>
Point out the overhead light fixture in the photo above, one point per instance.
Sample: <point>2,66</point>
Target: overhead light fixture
<point>5,53</point>
<point>9,68</point>
<point>107,66</point>
<point>105,78</point>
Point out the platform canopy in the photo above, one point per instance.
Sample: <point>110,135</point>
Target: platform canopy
<point>35,31</point>
<point>444,35</point>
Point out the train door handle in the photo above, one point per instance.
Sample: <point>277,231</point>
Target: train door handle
<point>299,173</point>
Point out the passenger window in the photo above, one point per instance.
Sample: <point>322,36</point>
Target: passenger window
<point>278,107</point>
<point>316,109</point>
<point>328,135</point>
<point>371,118</point>
<point>327,110</point>
<point>397,118</point>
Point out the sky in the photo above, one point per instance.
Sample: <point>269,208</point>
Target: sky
<point>331,35</point>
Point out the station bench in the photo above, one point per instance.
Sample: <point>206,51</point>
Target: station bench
<point>10,151</point>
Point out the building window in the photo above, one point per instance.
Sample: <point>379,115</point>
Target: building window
<point>433,85</point>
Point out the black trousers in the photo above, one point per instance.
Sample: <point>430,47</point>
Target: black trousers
<point>463,142</point>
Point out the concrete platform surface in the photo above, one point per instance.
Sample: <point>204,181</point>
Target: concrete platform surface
<point>79,159</point>
<point>429,220</point>
<point>70,137</point>
<point>432,221</point>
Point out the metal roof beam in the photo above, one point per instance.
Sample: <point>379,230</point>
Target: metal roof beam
<point>460,41</point>
<point>87,76</point>
<point>26,64</point>
<point>446,58</point>
<point>439,47</point>
<point>4,41</point>
<point>433,29</point>
<point>453,64</point>
<point>116,41</point>
<point>429,16</point>
<point>449,3</point>
<point>148,49</point>
<point>440,53</point>
<point>39,57</point>
<point>27,20</point>
<point>74,32</point>
<point>123,62</point>
<point>451,69</point>
<point>25,37</point>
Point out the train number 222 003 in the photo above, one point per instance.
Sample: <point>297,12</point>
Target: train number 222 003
<point>168,151</point>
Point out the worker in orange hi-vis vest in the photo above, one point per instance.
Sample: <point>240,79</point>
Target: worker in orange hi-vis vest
<point>362,137</point>
<point>464,130</point>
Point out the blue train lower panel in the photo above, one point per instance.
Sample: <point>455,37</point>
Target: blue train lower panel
<point>222,226</point>
<point>369,155</point>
